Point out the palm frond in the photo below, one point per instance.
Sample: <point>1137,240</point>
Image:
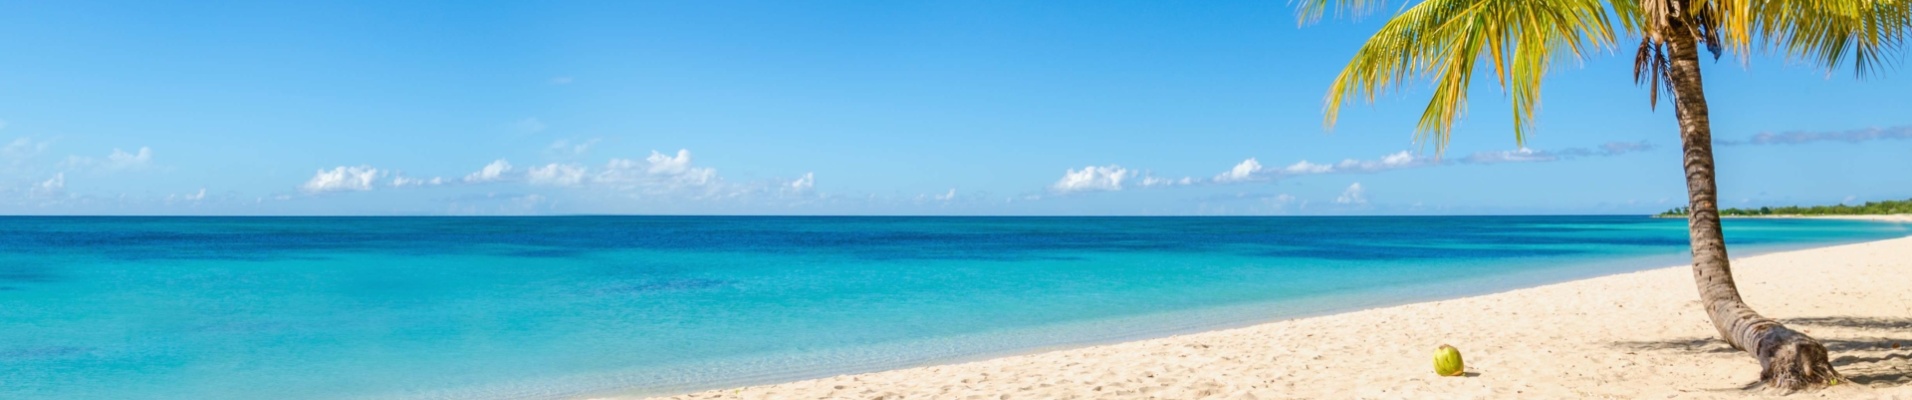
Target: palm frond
<point>1442,41</point>
<point>1868,33</point>
<point>1649,69</point>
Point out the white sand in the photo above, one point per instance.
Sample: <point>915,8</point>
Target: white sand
<point>1634,336</point>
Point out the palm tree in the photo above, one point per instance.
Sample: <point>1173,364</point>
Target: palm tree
<point>1443,41</point>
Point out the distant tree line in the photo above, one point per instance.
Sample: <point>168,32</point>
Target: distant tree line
<point>1869,208</point>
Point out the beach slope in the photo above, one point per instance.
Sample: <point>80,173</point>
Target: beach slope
<point>1635,335</point>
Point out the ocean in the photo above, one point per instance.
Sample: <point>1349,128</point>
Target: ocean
<point>561,307</point>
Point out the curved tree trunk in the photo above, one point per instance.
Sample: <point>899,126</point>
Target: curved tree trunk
<point>1789,360</point>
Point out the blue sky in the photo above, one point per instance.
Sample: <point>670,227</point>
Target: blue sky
<point>850,107</point>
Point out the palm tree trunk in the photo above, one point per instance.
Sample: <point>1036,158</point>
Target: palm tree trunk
<point>1789,360</point>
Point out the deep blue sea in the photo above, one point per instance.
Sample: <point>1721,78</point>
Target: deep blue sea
<point>556,307</point>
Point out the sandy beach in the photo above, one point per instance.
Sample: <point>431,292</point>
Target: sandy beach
<point>1635,335</point>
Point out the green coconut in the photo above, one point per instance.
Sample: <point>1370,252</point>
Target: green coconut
<point>1447,361</point>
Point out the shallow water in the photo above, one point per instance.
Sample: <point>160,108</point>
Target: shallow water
<point>311,308</point>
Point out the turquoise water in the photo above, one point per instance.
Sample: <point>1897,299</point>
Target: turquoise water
<point>320,308</point>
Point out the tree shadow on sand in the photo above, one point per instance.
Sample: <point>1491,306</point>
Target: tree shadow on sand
<point>1862,347</point>
<point>1869,323</point>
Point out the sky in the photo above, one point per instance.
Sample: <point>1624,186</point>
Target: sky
<point>853,107</point>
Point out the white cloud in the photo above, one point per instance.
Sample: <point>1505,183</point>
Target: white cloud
<point>1092,178</point>
<point>122,159</point>
<point>1618,148</point>
<point>1804,137</point>
<point>529,125</point>
<point>1353,195</point>
<point>341,179</point>
<point>51,185</point>
<point>809,180</point>
<point>118,160</point>
<point>672,165</point>
<point>656,173</point>
<point>1251,169</point>
<point>1305,167</point>
<point>1530,155</point>
<point>1244,171</point>
<point>1506,156</point>
<point>1111,178</point>
<point>556,174</point>
<point>1151,181</point>
<point>491,172</point>
<point>659,174</point>
<point>23,148</point>
<point>403,181</point>
<point>947,196</point>
<point>1398,160</point>
<point>195,197</point>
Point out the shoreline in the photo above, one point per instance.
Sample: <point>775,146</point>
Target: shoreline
<point>1531,341</point>
<point>1898,218</point>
